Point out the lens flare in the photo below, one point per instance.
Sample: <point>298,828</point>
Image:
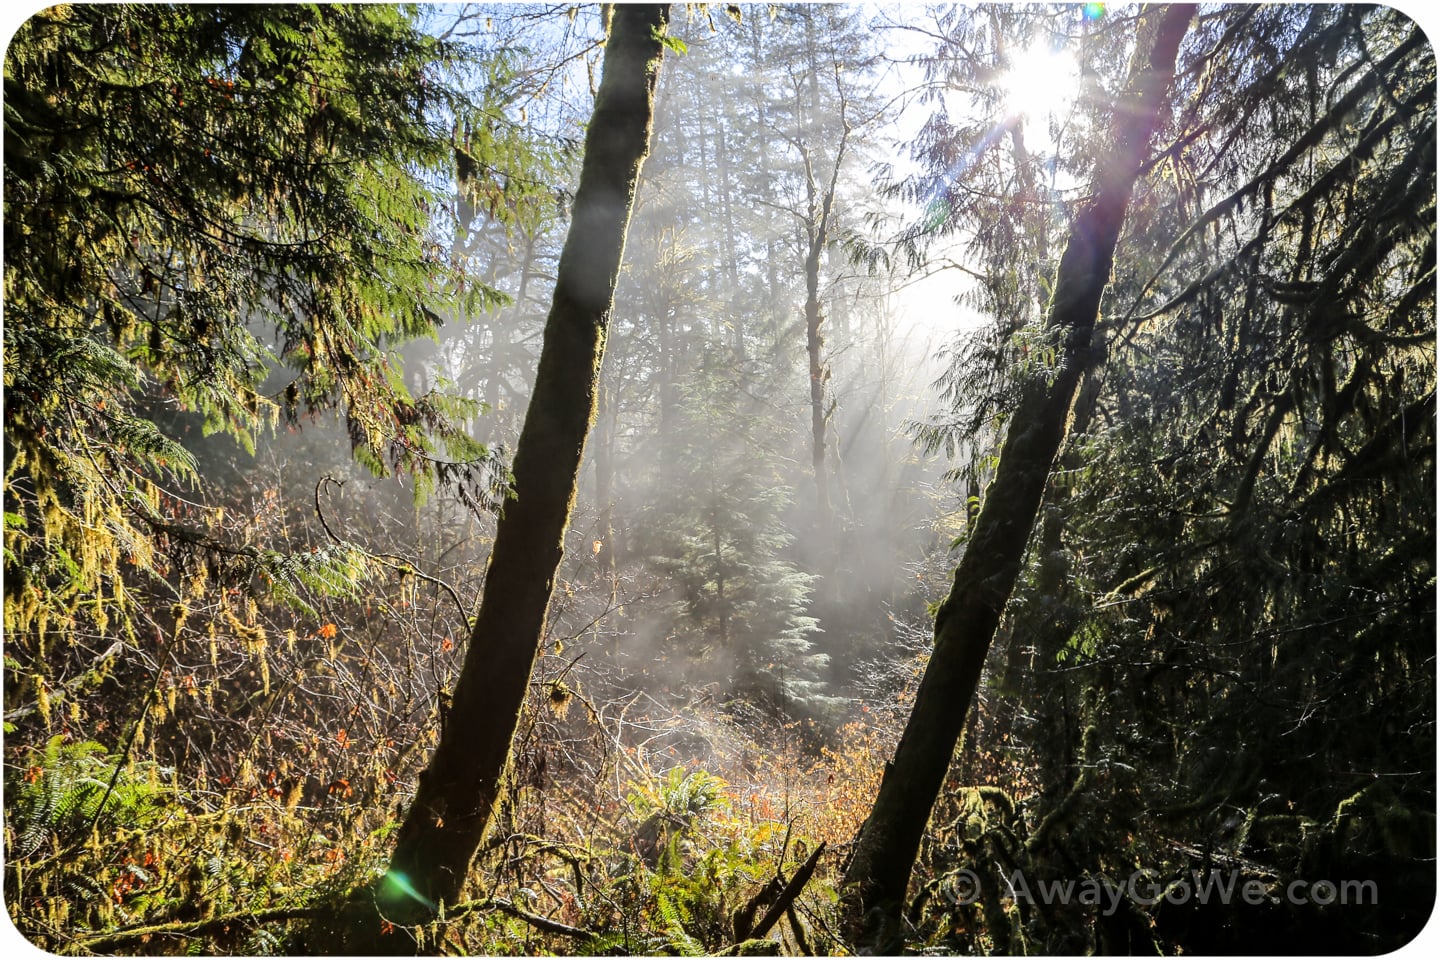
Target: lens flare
<point>402,883</point>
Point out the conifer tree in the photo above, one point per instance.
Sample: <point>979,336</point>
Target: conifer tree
<point>965,623</point>
<point>459,788</point>
<point>233,212</point>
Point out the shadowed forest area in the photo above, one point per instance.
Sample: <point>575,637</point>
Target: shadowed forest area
<point>719,479</point>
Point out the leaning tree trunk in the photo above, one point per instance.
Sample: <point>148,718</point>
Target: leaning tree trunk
<point>458,790</point>
<point>885,850</point>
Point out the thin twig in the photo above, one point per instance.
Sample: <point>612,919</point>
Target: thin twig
<point>534,919</point>
<point>394,561</point>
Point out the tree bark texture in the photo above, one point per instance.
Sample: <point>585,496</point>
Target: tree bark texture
<point>458,790</point>
<point>885,850</point>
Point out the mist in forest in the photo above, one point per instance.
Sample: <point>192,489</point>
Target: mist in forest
<point>701,560</point>
<point>1040,398</point>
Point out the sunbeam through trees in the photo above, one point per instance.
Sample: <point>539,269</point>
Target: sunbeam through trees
<point>719,479</point>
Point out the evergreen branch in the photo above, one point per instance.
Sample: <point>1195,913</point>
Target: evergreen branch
<point>1334,119</point>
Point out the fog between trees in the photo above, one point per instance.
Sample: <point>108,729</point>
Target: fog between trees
<point>277,284</point>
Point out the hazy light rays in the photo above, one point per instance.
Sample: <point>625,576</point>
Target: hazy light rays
<point>940,198</point>
<point>1036,84</point>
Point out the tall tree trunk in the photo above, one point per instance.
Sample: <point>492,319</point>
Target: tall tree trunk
<point>729,255</point>
<point>886,847</point>
<point>814,343</point>
<point>457,792</point>
<point>605,487</point>
<point>819,209</point>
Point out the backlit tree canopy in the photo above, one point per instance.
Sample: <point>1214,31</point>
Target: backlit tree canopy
<point>236,212</point>
<point>935,479</point>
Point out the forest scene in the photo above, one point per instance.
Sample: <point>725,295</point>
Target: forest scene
<point>719,480</point>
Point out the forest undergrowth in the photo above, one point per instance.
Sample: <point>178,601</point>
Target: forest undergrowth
<point>262,773</point>
<point>276,288</point>
<point>649,810</point>
<point>629,827</point>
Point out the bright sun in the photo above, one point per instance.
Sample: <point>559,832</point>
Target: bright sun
<point>1041,82</point>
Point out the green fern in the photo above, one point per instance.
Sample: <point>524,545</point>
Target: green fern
<point>676,917</point>
<point>615,943</point>
<point>67,787</point>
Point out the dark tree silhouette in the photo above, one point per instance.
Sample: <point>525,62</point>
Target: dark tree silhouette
<point>458,789</point>
<point>965,624</point>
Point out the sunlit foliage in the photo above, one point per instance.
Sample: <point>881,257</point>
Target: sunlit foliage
<point>248,245</point>
<point>236,213</point>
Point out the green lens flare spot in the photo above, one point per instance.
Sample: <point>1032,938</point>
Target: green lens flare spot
<point>399,882</point>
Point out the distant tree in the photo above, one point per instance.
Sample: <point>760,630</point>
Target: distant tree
<point>822,109</point>
<point>965,623</point>
<point>718,530</point>
<point>817,219</point>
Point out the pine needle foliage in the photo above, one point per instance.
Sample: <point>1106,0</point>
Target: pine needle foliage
<point>237,213</point>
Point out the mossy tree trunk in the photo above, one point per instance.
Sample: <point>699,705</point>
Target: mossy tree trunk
<point>965,624</point>
<point>458,790</point>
